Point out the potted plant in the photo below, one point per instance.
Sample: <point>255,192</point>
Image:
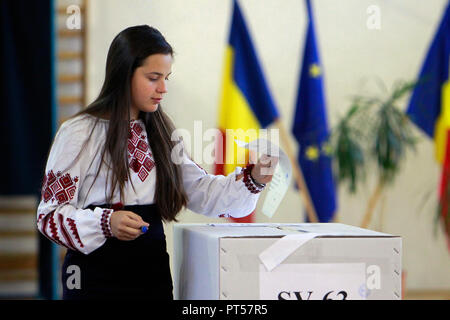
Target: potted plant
<point>374,130</point>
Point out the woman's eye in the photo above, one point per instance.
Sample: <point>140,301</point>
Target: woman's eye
<point>151,79</point>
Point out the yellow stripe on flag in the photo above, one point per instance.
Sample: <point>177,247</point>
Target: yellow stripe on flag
<point>442,124</point>
<point>236,114</point>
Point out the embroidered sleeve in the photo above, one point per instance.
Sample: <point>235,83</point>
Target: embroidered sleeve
<point>217,195</point>
<point>58,216</point>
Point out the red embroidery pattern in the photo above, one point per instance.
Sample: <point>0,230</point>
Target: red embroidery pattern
<point>139,152</point>
<point>58,187</point>
<point>44,227</point>
<point>105,223</point>
<point>65,233</point>
<point>74,230</point>
<point>54,226</point>
<point>54,230</point>
<point>40,217</point>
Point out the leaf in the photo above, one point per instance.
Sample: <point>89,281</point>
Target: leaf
<point>373,129</point>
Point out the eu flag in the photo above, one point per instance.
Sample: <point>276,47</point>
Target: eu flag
<point>311,130</point>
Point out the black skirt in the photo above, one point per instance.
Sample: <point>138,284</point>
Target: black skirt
<point>137,269</point>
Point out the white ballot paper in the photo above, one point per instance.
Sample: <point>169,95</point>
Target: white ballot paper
<point>281,177</point>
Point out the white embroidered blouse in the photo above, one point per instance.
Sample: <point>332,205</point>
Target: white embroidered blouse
<point>62,214</point>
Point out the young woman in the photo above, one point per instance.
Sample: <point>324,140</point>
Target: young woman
<point>110,175</point>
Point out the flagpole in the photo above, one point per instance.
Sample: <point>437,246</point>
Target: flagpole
<point>298,175</point>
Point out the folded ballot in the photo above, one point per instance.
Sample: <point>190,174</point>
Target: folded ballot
<point>281,177</point>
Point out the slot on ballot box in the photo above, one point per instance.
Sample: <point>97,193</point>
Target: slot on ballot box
<point>304,261</point>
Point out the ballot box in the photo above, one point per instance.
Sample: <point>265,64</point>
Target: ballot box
<point>307,261</point>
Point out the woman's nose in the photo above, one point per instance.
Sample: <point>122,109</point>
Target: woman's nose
<point>162,88</point>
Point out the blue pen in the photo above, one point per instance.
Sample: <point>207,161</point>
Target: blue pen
<point>144,229</point>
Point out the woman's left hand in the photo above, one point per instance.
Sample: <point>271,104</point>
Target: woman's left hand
<point>263,170</point>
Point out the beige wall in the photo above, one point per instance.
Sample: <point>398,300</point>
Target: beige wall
<point>352,55</point>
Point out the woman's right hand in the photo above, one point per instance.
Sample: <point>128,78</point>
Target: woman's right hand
<point>126,225</point>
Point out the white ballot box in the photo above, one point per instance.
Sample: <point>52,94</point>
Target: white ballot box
<point>307,261</point>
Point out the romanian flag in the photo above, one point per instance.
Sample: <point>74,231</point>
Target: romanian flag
<point>310,129</point>
<point>429,107</point>
<point>246,104</point>
<point>444,192</point>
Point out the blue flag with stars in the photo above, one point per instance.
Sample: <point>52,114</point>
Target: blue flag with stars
<point>311,130</point>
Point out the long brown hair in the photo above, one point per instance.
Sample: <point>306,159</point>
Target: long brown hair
<point>127,52</point>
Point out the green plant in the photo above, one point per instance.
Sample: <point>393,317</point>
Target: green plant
<point>374,130</point>
<point>347,149</point>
